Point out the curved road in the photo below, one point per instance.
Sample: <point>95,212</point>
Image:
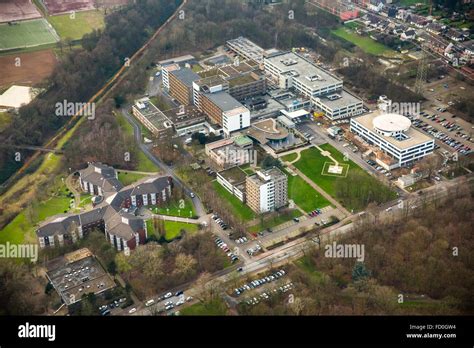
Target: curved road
<point>167,170</point>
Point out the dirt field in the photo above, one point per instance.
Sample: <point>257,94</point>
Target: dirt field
<point>61,6</point>
<point>35,66</point>
<point>16,10</point>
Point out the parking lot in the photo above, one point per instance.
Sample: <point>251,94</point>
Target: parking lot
<point>449,132</point>
<point>258,283</point>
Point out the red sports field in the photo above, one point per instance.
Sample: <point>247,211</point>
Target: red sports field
<point>34,67</point>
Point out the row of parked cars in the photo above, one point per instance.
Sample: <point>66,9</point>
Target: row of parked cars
<point>379,168</point>
<point>315,212</point>
<point>266,295</point>
<point>445,138</point>
<point>254,250</point>
<point>258,282</point>
<point>241,240</point>
<point>234,258</point>
<point>219,221</point>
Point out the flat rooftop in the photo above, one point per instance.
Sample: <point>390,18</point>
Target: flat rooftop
<point>186,76</point>
<point>224,101</point>
<point>250,48</point>
<point>72,279</point>
<point>188,115</point>
<point>415,137</point>
<point>154,115</point>
<point>262,177</point>
<point>266,130</point>
<point>344,100</point>
<point>306,70</point>
<point>234,175</point>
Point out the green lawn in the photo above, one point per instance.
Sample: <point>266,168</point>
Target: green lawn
<point>365,43</point>
<point>26,33</point>
<point>22,229</point>
<point>172,228</point>
<point>86,199</point>
<point>83,22</point>
<point>289,158</point>
<point>215,307</point>
<point>312,164</point>
<point>304,196</point>
<point>239,209</point>
<point>144,163</point>
<point>274,221</point>
<point>129,178</point>
<point>5,120</point>
<point>183,209</point>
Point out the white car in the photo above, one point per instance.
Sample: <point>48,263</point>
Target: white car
<point>168,295</point>
<point>133,310</point>
<point>189,299</point>
<point>149,303</point>
<point>180,302</point>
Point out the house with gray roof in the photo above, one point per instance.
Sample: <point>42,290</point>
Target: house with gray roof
<point>115,215</point>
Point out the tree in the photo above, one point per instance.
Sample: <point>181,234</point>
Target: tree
<point>360,272</point>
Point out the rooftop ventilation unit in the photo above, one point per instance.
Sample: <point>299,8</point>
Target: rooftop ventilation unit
<point>289,62</point>
<point>314,77</point>
<point>334,97</point>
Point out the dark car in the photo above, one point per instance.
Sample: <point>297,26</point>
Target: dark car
<point>179,293</point>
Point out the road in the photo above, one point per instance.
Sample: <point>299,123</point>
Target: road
<point>165,169</point>
<point>295,249</point>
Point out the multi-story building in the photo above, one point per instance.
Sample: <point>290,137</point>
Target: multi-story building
<point>230,152</point>
<point>115,215</point>
<point>165,74</point>
<point>267,190</point>
<point>394,136</point>
<point>181,85</point>
<point>224,110</point>
<point>325,91</point>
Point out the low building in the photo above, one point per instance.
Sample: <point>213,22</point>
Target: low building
<point>407,180</point>
<point>267,190</point>
<point>339,105</point>
<point>99,179</point>
<point>186,119</point>
<point>230,152</point>
<point>233,180</point>
<point>151,117</point>
<point>393,135</point>
<point>76,274</point>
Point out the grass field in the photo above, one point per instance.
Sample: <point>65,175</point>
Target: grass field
<point>239,208</point>
<point>215,307</point>
<point>274,221</point>
<point>304,196</point>
<point>365,43</point>
<point>173,229</point>
<point>22,229</point>
<point>312,164</point>
<point>74,28</point>
<point>289,158</point>
<point>25,34</point>
<point>176,209</point>
<point>129,178</point>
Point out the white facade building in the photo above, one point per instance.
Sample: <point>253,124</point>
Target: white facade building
<point>393,134</point>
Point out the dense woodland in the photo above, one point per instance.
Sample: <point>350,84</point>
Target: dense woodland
<point>427,258</point>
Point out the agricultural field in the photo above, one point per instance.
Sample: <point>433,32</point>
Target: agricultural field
<point>34,67</point>
<point>75,27</point>
<point>17,10</point>
<point>25,34</point>
<point>61,6</point>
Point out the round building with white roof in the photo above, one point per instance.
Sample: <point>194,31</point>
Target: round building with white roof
<point>391,124</point>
